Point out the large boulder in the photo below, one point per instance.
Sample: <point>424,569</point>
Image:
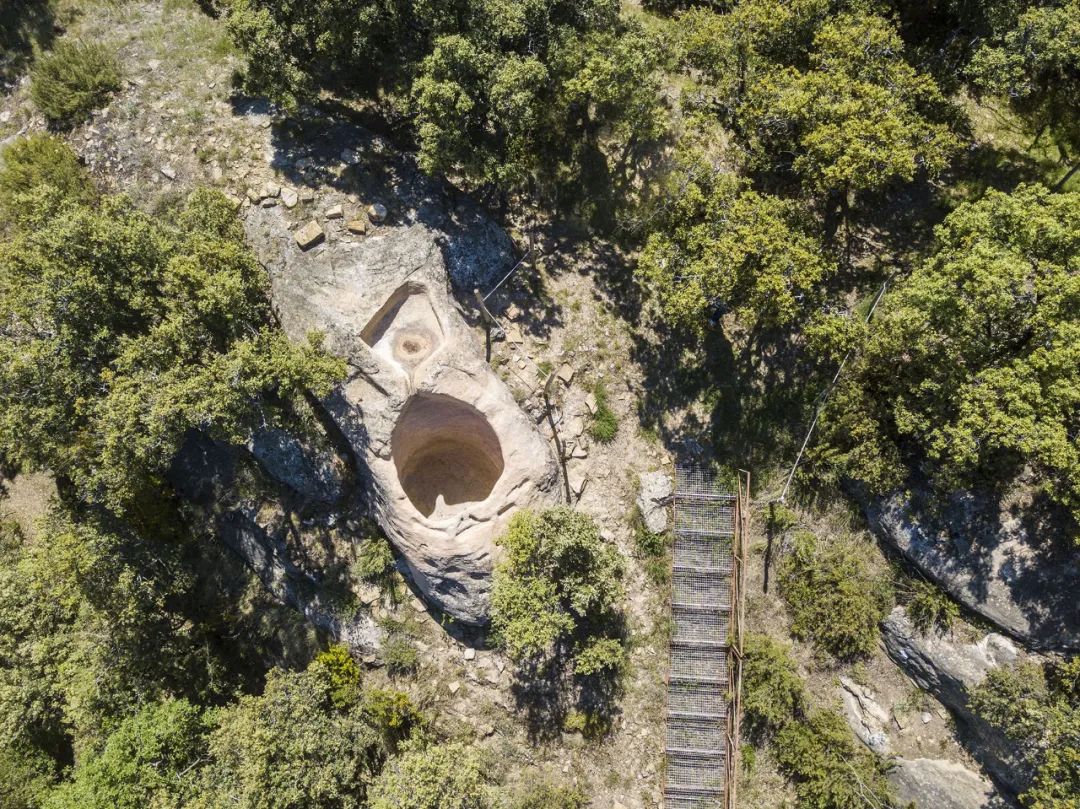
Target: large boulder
<point>998,564</point>
<point>654,500</point>
<point>939,784</point>
<point>948,669</point>
<point>448,454</point>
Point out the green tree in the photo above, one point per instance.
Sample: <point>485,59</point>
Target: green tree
<point>95,622</point>
<point>290,747</point>
<point>972,370</point>
<point>558,585</point>
<point>545,97</point>
<point>715,244</point>
<point>447,776</point>
<point>122,333</point>
<point>1035,66</point>
<point>858,118</point>
<point>150,759</point>
<point>1039,709</point>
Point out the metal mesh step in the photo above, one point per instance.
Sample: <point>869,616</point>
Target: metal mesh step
<point>703,552</point>
<point>697,771</point>
<point>676,800</point>
<point>691,696</point>
<point>698,663</point>
<point>695,735</point>
<point>700,625</point>
<point>697,589</point>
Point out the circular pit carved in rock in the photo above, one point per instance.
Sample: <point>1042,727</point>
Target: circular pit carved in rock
<point>444,448</point>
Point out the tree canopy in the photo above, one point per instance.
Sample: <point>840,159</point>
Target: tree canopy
<point>121,333</point>
<point>514,96</point>
<point>971,370</point>
<point>558,584</point>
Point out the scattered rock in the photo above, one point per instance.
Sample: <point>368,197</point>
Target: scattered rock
<point>269,202</point>
<point>575,427</point>
<point>578,481</point>
<point>357,226</point>
<point>307,196</point>
<point>253,196</point>
<point>454,687</point>
<point>590,402</point>
<point>470,654</point>
<point>654,497</point>
<point>417,605</point>
<point>376,212</point>
<point>334,212</point>
<point>271,190</point>
<point>169,172</point>
<point>309,235</point>
<point>565,373</point>
<point>486,730</point>
<point>938,784</point>
<point>289,197</point>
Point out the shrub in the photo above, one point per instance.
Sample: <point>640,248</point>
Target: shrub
<point>374,560</point>
<point>653,551</point>
<point>38,160</point>
<point>443,777</point>
<point>834,596</point>
<point>72,80</point>
<point>559,585</point>
<point>400,656</point>
<point>604,423</point>
<point>549,796</point>
<point>773,692</point>
<point>930,608</point>
<point>341,672</point>
<point>393,713</point>
<point>829,768</point>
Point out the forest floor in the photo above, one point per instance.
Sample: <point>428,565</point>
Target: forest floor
<point>177,123</point>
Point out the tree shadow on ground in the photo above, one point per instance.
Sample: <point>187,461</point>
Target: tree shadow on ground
<point>553,700</point>
<point>23,24</point>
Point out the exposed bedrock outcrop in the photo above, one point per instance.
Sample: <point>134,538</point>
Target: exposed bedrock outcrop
<point>932,783</point>
<point>1010,569</point>
<point>447,452</point>
<point>948,669</point>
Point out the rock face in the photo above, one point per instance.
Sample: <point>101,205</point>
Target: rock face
<point>654,499</point>
<point>947,670</point>
<point>997,565</point>
<point>939,784</point>
<point>449,454</point>
<point>865,715</point>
